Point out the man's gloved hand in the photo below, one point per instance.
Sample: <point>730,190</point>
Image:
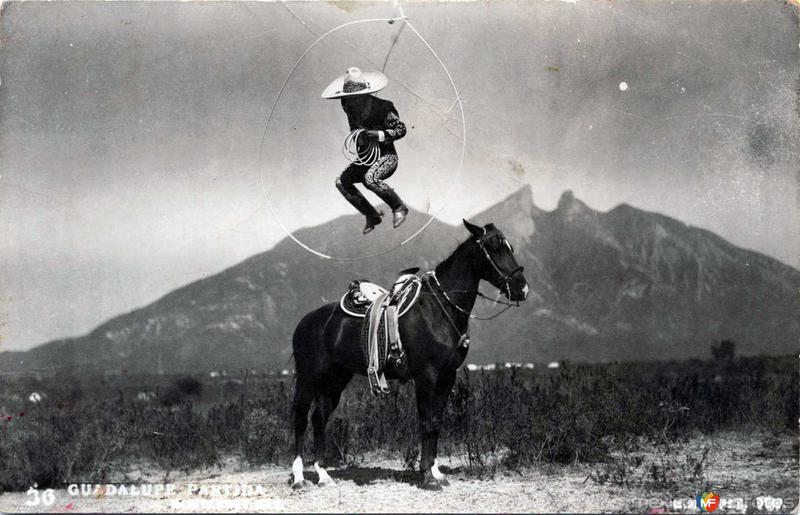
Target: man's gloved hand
<point>367,137</point>
<point>373,135</point>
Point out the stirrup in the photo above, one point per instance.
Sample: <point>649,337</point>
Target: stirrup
<point>372,222</point>
<point>399,216</point>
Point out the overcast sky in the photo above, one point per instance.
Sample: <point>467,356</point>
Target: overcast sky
<point>130,132</point>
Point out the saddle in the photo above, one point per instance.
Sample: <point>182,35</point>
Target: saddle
<point>381,309</point>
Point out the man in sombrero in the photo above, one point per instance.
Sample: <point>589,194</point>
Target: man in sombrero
<point>374,126</point>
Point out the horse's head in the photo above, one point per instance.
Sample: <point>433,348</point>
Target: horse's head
<point>497,262</point>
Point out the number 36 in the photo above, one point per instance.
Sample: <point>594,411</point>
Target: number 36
<point>46,498</point>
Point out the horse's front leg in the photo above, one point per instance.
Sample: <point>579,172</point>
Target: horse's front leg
<point>433,391</point>
<point>334,382</point>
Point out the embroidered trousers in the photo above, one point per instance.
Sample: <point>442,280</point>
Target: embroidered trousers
<point>373,178</point>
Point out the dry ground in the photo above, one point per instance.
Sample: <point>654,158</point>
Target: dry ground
<point>738,466</point>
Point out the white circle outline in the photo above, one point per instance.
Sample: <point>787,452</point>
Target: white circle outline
<point>275,104</point>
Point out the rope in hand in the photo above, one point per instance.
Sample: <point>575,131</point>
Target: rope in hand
<point>368,157</point>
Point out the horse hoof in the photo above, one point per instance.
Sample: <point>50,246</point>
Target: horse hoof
<point>431,485</point>
<point>444,482</point>
<point>301,485</point>
<point>326,483</point>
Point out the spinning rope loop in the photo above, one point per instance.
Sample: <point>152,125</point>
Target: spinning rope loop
<point>454,181</point>
<point>368,157</point>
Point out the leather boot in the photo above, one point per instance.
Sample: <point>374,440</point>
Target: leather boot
<point>372,222</point>
<point>399,216</point>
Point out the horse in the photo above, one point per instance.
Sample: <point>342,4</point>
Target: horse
<point>434,332</point>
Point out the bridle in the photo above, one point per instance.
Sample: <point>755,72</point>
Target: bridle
<point>505,279</point>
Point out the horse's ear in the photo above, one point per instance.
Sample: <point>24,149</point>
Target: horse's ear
<point>474,229</point>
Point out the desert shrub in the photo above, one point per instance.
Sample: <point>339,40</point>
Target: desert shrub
<point>189,385</point>
<point>498,419</point>
<point>225,423</point>
<point>525,420</point>
<point>387,424</point>
<point>51,447</point>
<point>180,391</point>
<point>341,443</point>
<point>180,439</point>
<point>30,455</point>
<point>723,351</point>
<point>467,424</point>
<point>171,396</point>
<point>266,438</point>
<point>617,470</point>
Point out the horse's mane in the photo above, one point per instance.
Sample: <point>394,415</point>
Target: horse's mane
<point>448,261</point>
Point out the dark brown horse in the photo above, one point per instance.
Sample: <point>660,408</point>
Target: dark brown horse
<point>327,349</point>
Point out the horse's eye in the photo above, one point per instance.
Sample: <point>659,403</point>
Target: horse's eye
<point>511,248</point>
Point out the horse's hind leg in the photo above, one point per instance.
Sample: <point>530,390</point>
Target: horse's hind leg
<point>331,387</point>
<point>303,395</point>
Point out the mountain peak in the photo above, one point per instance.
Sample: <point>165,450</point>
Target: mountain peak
<point>514,214</point>
<point>570,206</point>
<point>567,199</point>
<point>523,196</point>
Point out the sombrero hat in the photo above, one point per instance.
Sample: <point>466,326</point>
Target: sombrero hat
<point>355,82</point>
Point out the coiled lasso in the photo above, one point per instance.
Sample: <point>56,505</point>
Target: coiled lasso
<point>368,157</point>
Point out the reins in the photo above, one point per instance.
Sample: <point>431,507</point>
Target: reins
<point>477,292</point>
<point>514,304</point>
<point>463,338</point>
<point>504,279</point>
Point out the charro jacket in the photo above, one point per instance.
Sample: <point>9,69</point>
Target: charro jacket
<point>378,115</point>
